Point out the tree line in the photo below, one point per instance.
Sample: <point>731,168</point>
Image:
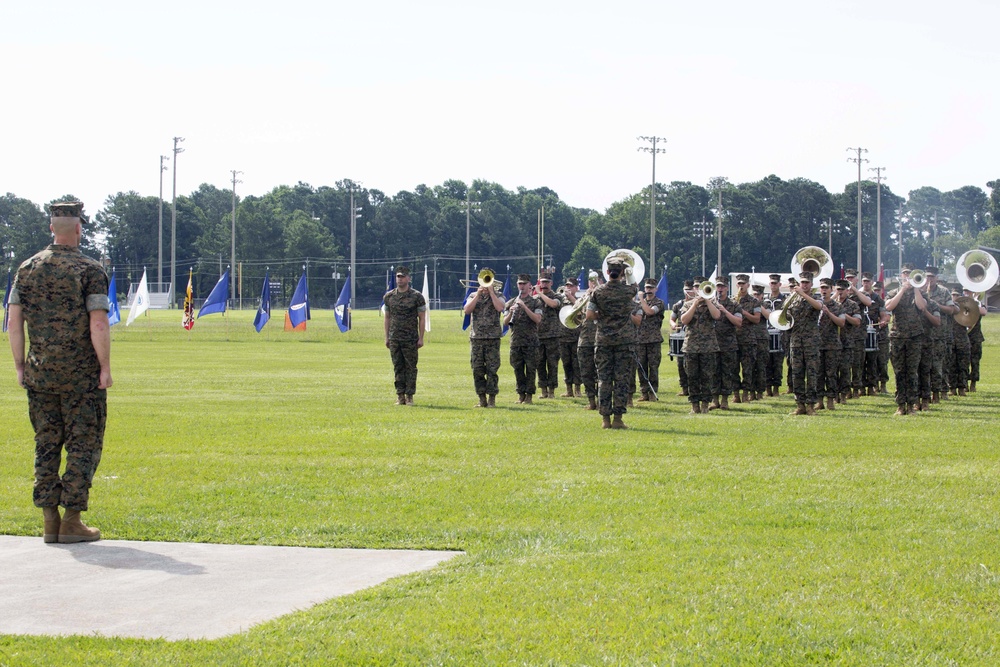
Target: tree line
<point>301,227</point>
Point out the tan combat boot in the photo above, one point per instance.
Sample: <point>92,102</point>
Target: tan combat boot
<point>527,399</point>
<point>935,397</point>
<point>704,407</point>
<point>72,530</point>
<point>492,401</point>
<point>972,386</point>
<point>925,404</point>
<point>520,399</point>
<point>606,421</point>
<point>617,423</point>
<point>724,403</point>
<point>628,403</point>
<point>800,409</point>
<point>569,390</point>
<point>50,534</point>
<point>644,398</point>
<point>810,410</point>
<point>578,393</point>
<point>820,405</point>
<point>961,391</point>
<point>591,403</point>
<point>901,411</point>
<point>695,408</point>
<point>409,399</point>
<point>400,399</point>
<point>736,397</point>
<point>482,401</point>
<point>714,405</point>
<point>829,404</point>
<point>683,392</point>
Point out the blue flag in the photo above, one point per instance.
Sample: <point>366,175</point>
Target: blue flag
<point>390,284</point>
<point>6,298</point>
<point>298,309</point>
<point>661,289</point>
<point>342,309</point>
<point>467,320</point>
<point>114,313</point>
<point>583,280</point>
<point>506,298</point>
<point>264,309</point>
<point>216,301</point>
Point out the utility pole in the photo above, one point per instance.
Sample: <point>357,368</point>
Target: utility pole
<point>541,241</point>
<point>878,218</point>
<point>354,243</point>
<point>159,236</point>
<point>173,227</point>
<point>468,228</point>
<point>902,213</point>
<point>718,259</point>
<point>652,193</point>
<point>858,160</point>
<point>232,261</point>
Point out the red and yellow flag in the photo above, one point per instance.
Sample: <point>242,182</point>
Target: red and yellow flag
<point>188,321</point>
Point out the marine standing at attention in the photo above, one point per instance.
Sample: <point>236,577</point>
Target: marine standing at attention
<point>405,317</point>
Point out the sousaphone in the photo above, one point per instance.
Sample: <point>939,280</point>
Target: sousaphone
<point>815,260</point>
<point>977,270</point>
<point>635,268</point>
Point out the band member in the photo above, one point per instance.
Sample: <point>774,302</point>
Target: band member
<point>585,353</point>
<point>940,336</point>
<point>522,314</point>
<point>876,316</point>
<point>851,312</point>
<point>677,327</point>
<point>727,373</point>
<point>906,336</point>
<point>931,321</point>
<point>611,307</point>
<point>745,335</point>
<point>569,340</point>
<point>774,367</point>
<point>485,306</point>
<point>976,341</point>
<point>763,347</point>
<point>786,339</point>
<point>803,345</point>
<point>830,320</point>
<point>856,351</point>
<point>883,341</point>
<point>701,351</point>
<point>961,354</point>
<point>648,316</point>
<point>548,337</point>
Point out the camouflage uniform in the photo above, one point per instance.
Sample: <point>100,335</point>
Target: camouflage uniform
<point>830,348</point>
<point>401,308</point>
<point>941,339</point>
<point>926,368</point>
<point>649,347</point>
<point>681,371</point>
<point>569,341</point>
<point>763,351</point>
<point>484,338</point>
<point>774,367</point>
<point>549,333</point>
<point>701,352</point>
<point>976,340</point>
<point>803,351</point>
<point>961,353</point>
<point>615,351</point>
<point>870,316</point>
<point>727,372</point>
<point>585,356</point>
<point>57,289</point>
<point>906,336</point>
<point>524,344</point>
<point>747,338</point>
<point>849,373</point>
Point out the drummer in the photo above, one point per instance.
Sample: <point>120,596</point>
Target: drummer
<point>772,301</point>
<point>874,319</point>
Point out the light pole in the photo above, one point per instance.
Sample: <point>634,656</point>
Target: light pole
<point>858,160</point>
<point>878,218</point>
<point>159,236</point>
<point>652,192</point>
<point>355,214</point>
<point>468,226</point>
<point>232,260</point>
<point>703,228</point>
<point>173,226</point>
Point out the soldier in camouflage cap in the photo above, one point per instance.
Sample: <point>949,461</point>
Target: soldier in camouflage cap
<point>62,298</point>
<point>405,319</point>
<point>611,307</point>
<point>484,306</point>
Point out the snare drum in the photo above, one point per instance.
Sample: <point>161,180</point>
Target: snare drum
<point>677,344</point>
<point>871,339</point>
<point>774,346</point>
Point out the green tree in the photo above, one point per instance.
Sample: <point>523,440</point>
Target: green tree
<point>24,229</point>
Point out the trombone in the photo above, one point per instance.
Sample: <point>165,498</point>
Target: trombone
<point>486,278</point>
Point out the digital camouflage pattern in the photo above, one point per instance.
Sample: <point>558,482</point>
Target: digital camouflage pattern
<point>615,353</point>
<point>485,358</point>
<point>523,353</point>
<point>485,319</point>
<point>613,302</point>
<point>402,308</point>
<point>585,357</point>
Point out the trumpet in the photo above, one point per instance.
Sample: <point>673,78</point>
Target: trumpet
<point>706,290</point>
<point>917,278</point>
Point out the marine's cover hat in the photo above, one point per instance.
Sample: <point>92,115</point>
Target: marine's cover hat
<point>68,209</point>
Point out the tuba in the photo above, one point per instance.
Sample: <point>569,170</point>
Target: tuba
<point>813,259</point>
<point>574,315</point>
<point>635,268</point>
<point>977,271</point>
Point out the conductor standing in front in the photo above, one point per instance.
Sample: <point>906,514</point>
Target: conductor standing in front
<point>611,306</point>
<point>62,298</point>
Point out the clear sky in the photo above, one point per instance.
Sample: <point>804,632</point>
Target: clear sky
<point>398,93</point>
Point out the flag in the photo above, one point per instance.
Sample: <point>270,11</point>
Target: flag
<point>390,282</point>
<point>842,271</point>
<point>467,320</point>
<point>661,289</point>
<point>264,309</point>
<point>298,309</point>
<point>712,277</point>
<point>188,320</point>
<point>342,309</point>
<point>881,278</point>
<point>6,298</point>
<point>426,292</point>
<point>583,280</point>
<point>506,298</point>
<point>216,301</point>
<point>114,312</point>
<point>140,303</point>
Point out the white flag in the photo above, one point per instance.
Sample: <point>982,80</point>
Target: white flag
<point>140,303</point>
<point>426,291</point>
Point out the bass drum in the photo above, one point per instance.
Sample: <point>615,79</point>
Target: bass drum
<point>677,344</point>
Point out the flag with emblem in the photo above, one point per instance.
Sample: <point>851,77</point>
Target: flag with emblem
<point>217,298</point>
<point>188,320</point>
<point>140,302</point>
<point>264,309</point>
<point>298,309</point>
<point>114,312</point>
<point>342,309</point>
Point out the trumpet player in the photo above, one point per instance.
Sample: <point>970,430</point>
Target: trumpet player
<point>906,340</point>
<point>569,339</point>
<point>548,337</point>
<point>856,350</point>
<point>611,307</point>
<point>677,327</point>
<point>727,372</point>
<point>522,314</point>
<point>484,306</point>
<point>649,344</point>
<point>701,348</point>
<point>803,344</point>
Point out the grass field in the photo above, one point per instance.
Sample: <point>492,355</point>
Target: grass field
<point>749,537</point>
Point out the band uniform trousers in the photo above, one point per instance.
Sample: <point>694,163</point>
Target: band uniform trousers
<point>926,368</point>
<point>523,358</point>
<point>857,358</point>
<point>906,353</point>
<point>650,356</point>
<point>775,367</point>
<point>959,374</point>
<point>682,376</point>
<point>485,365</point>
<point>939,373</point>
<point>701,370</point>
<point>727,373</point>
<point>570,362</point>
<point>404,365</point>
<point>748,357</point>
<point>804,363</point>
<point>614,366</point>
<point>829,371</point>
<point>975,355</point>
<point>547,363</point>
<point>588,369</point>
<point>75,422</point>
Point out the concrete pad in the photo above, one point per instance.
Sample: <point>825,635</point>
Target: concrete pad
<point>178,590</point>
